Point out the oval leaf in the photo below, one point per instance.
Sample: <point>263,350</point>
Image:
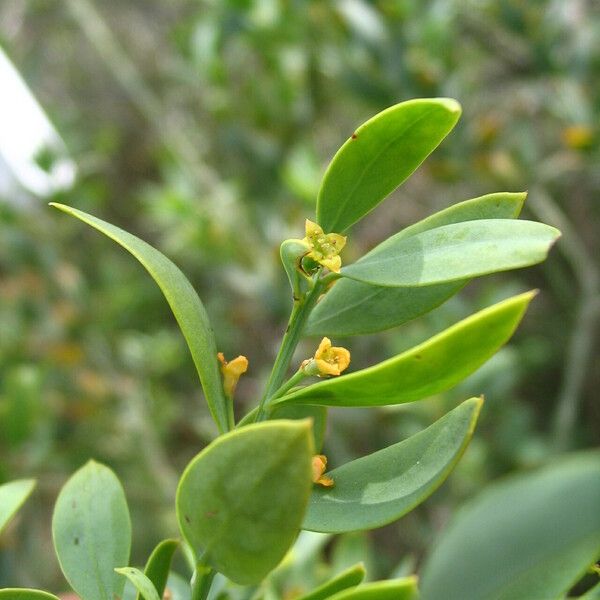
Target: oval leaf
<point>241,501</point>
<point>379,156</point>
<point>25,594</point>
<point>379,488</point>
<point>397,589</point>
<point>318,415</point>
<point>12,496</point>
<point>353,307</point>
<point>185,304</point>
<point>92,532</point>
<point>142,583</point>
<point>347,579</point>
<point>159,564</point>
<point>454,252</point>
<point>425,369</point>
<point>530,536</point>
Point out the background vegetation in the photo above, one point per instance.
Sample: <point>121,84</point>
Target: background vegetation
<point>204,127</point>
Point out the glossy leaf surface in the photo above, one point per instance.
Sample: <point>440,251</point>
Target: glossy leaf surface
<point>185,304</point>
<point>12,496</point>
<point>379,488</point>
<point>379,156</point>
<point>141,582</point>
<point>318,415</point>
<point>25,594</point>
<point>398,589</point>
<point>349,578</point>
<point>353,307</point>
<point>454,252</point>
<point>529,536</point>
<point>159,564</point>
<point>429,368</point>
<point>92,532</point>
<point>241,501</point>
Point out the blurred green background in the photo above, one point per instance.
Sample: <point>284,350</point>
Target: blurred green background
<point>204,127</point>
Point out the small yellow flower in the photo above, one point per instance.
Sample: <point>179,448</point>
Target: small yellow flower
<point>324,247</point>
<point>232,371</point>
<point>319,464</point>
<point>328,360</point>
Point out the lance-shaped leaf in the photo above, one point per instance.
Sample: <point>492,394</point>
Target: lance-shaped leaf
<point>25,594</point>
<point>346,579</point>
<point>454,252</point>
<point>427,369</point>
<point>395,589</point>
<point>379,156</point>
<point>529,536</point>
<point>92,532</point>
<point>241,501</point>
<point>12,496</point>
<point>379,488</point>
<point>185,304</point>
<point>158,565</point>
<point>353,307</point>
<point>141,582</point>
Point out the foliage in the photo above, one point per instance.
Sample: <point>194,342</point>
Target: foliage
<point>242,501</point>
<point>206,134</point>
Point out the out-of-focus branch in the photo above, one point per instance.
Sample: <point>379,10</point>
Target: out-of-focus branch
<point>174,136</point>
<point>587,317</point>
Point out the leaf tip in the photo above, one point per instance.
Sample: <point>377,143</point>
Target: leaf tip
<point>451,105</point>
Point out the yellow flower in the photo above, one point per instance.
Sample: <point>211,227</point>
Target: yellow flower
<point>328,360</point>
<point>319,464</point>
<point>324,247</point>
<point>232,371</point>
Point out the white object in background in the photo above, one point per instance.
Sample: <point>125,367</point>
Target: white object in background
<point>26,133</point>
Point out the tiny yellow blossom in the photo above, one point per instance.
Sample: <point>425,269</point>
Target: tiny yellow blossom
<point>232,371</point>
<point>328,360</point>
<point>319,464</point>
<point>324,248</point>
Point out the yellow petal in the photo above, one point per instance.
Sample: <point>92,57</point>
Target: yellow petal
<point>337,240</point>
<point>232,371</point>
<point>319,464</point>
<point>327,368</point>
<point>323,347</point>
<point>333,263</point>
<point>312,229</point>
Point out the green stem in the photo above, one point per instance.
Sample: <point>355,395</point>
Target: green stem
<point>230,414</point>
<point>201,582</point>
<point>295,379</point>
<point>293,333</point>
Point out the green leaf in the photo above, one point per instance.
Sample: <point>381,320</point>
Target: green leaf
<point>379,488</point>
<point>318,414</point>
<point>349,578</point>
<point>353,307</point>
<point>142,583</point>
<point>593,594</point>
<point>241,501</point>
<point>25,594</point>
<point>379,156</point>
<point>398,589</point>
<point>92,532</point>
<point>159,564</point>
<point>12,496</point>
<point>454,252</point>
<point>424,370</point>
<point>529,536</point>
<point>185,304</point>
